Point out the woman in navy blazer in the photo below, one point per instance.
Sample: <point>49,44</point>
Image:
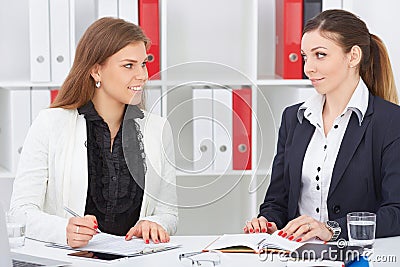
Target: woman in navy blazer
<point>339,151</point>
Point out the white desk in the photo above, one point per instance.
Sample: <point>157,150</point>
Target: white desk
<point>385,249</point>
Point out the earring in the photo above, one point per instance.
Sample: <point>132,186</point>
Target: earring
<point>98,84</point>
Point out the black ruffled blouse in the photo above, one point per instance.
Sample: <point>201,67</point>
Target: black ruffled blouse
<point>115,191</point>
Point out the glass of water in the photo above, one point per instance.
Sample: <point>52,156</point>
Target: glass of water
<point>16,230</point>
<point>361,228</point>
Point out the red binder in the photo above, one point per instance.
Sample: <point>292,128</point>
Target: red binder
<point>53,95</point>
<point>289,26</point>
<point>150,23</point>
<point>241,129</point>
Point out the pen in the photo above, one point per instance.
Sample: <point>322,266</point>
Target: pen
<point>73,213</point>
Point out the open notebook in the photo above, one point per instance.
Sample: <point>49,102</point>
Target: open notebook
<point>253,243</point>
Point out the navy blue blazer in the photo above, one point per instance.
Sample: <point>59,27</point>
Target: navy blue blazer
<point>366,175</point>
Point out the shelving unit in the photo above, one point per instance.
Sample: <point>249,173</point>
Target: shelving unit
<point>226,42</point>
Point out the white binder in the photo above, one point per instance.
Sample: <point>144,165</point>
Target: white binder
<point>153,100</point>
<point>14,125</point>
<point>128,10</point>
<point>203,146</point>
<point>222,129</point>
<point>39,39</point>
<point>332,4</point>
<point>40,99</point>
<point>107,8</point>
<point>59,40</point>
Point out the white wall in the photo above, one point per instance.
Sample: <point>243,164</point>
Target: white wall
<point>381,18</point>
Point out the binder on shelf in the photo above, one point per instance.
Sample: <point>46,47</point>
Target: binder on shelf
<point>53,95</point>
<point>311,8</point>
<point>14,123</point>
<point>203,145</point>
<point>59,40</point>
<point>107,8</point>
<point>241,128</point>
<point>222,128</point>
<point>153,100</point>
<point>289,26</point>
<point>39,40</point>
<point>129,10</point>
<point>150,23</point>
<point>40,99</point>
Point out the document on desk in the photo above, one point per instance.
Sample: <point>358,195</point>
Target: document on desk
<point>117,245</point>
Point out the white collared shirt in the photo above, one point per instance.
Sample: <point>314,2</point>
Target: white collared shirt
<point>322,150</point>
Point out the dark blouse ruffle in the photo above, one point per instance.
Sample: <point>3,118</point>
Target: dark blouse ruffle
<point>115,192</point>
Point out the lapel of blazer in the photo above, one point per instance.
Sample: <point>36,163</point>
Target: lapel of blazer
<point>301,138</point>
<point>351,139</point>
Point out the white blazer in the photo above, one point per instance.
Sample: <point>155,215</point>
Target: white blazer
<point>52,173</point>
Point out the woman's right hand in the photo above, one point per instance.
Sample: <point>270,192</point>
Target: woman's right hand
<point>259,225</point>
<point>81,230</point>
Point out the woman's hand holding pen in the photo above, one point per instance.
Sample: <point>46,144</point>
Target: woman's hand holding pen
<point>80,230</point>
<point>147,230</point>
<point>259,225</point>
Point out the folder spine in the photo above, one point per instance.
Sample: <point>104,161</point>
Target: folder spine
<point>289,25</point>
<point>150,23</point>
<point>241,128</point>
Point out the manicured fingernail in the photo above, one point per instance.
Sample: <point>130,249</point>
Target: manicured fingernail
<point>263,230</point>
<point>291,237</point>
<point>126,237</point>
<point>95,227</point>
<point>95,222</point>
<point>147,241</point>
<point>269,224</point>
<point>251,230</point>
<point>156,241</point>
<point>244,228</point>
<point>298,240</point>
<point>280,233</point>
<point>284,235</point>
<point>257,230</point>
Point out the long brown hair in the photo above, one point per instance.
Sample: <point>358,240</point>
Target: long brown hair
<point>347,30</point>
<point>102,39</point>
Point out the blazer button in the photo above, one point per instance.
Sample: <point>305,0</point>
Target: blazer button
<point>336,209</point>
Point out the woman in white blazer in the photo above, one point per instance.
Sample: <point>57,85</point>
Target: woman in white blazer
<point>72,156</point>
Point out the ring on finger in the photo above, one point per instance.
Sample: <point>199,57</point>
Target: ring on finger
<point>309,227</point>
<point>77,229</point>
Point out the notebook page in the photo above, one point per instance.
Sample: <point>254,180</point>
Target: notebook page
<point>112,244</point>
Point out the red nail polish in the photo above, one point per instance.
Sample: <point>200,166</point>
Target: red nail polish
<point>298,240</point>
<point>95,227</point>
<point>269,224</point>
<point>147,241</point>
<point>284,235</point>
<point>251,230</point>
<point>280,233</point>
<point>257,230</point>
<point>126,237</point>
<point>291,237</point>
<point>156,241</point>
<point>264,230</point>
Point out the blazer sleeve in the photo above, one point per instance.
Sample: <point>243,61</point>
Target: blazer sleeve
<point>275,205</point>
<point>388,214</point>
<point>30,186</point>
<point>165,212</point>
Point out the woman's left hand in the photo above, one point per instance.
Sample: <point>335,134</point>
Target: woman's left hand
<point>304,228</point>
<point>147,230</point>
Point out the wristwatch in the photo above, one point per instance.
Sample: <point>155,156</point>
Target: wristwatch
<point>334,227</point>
